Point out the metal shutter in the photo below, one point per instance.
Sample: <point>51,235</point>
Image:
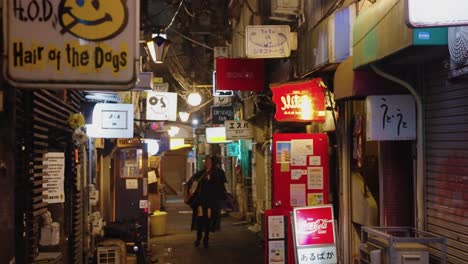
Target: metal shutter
<point>446,143</point>
<point>41,126</point>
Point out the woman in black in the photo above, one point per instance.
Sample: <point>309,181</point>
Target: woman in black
<point>208,196</point>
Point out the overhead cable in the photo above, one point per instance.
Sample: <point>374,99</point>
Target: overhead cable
<point>173,18</point>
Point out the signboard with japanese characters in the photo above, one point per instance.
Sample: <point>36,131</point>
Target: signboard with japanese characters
<point>268,41</point>
<point>71,44</point>
<point>390,117</point>
<point>236,130</point>
<point>111,121</point>
<point>54,171</point>
<point>314,235</point>
<point>161,106</point>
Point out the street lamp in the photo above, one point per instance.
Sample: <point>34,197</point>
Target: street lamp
<point>194,99</point>
<point>158,47</point>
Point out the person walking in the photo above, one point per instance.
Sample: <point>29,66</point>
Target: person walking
<point>209,193</point>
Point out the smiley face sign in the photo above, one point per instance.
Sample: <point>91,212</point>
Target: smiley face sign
<point>94,20</point>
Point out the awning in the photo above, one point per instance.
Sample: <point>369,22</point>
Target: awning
<point>348,83</point>
<point>381,30</point>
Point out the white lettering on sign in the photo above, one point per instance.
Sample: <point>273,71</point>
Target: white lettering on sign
<point>291,102</point>
<point>240,75</point>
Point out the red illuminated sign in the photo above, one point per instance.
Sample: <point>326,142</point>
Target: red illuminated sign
<point>240,74</point>
<point>300,101</point>
<point>314,226</point>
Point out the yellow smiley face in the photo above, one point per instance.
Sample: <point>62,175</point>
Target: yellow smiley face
<point>94,20</point>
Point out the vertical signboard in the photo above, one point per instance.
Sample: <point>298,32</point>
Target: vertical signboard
<point>72,44</point>
<point>278,238</point>
<point>314,235</point>
<point>54,172</point>
<point>300,169</point>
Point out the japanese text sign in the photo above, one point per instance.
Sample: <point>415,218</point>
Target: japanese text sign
<point>300,101</point>
<point>320,255</point>
<point>71,44</point>
<point>111,121</point>
<point>268,41</point>
<point>314,226</point>
<point>240,74</point>
<point>390,117</point>
<point>238,130</point>
<point>54,171</point>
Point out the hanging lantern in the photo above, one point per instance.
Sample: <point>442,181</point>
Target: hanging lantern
<point>158,47</point>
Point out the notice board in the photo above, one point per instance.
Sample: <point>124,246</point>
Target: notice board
<point>301,173</point>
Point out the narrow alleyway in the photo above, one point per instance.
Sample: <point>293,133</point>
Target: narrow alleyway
<point>234,243</point>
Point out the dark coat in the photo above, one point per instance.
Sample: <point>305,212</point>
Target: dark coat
<point>210,193</point>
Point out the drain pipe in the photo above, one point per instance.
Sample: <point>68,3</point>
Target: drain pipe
<point>419,145</point>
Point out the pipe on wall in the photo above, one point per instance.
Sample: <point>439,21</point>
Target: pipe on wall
<point>420,181</point>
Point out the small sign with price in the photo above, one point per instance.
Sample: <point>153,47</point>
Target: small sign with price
<point>238,130</point>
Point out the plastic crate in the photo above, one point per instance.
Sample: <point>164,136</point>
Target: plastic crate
<point>108,255</point>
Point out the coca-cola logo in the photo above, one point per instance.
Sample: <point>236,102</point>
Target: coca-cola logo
<point>318,226</point>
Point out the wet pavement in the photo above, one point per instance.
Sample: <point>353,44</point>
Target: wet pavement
<point>236,242</point>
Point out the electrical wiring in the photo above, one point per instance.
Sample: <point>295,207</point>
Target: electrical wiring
<point>191,40</point>
<point>175,15</point>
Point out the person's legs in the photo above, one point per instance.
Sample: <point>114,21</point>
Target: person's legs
<point>207,226</point>
<point>200,225</point>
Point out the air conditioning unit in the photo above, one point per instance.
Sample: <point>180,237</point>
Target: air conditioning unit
<point>285,7</point>
<point>108,255</point>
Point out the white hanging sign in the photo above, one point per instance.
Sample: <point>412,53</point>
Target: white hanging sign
<point>268,41</point>
<point>238,130</point>
<point>161,106</point>
<point>390,117</point>
<point>436,13</point>
<point>111,121</point>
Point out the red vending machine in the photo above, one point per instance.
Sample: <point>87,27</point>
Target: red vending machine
<point>300,178</point>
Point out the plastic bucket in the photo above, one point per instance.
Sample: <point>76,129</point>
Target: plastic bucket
<point>158,223</point>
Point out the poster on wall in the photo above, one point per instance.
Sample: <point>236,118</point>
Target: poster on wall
<point>54,171</point>
<point>283,152</point>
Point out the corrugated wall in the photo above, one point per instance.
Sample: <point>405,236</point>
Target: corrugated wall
<point>446,143</point>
